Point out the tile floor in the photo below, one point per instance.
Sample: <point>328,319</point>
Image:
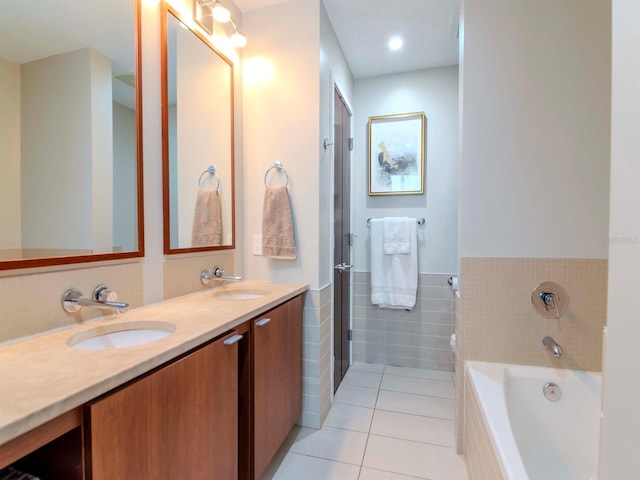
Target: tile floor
<point>386,423</point>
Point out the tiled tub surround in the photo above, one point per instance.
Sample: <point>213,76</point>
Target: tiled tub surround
<point>418,339</point>
<point>42,377</point>
<point>497,323</point>
<point>514,432</point>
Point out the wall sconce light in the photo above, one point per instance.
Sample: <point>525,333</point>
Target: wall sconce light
<point>237,39</point>
<point>205,12</point>
<point>220,13</point>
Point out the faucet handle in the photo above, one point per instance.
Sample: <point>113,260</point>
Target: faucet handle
<point>549,300</point>
<point>102,293</point>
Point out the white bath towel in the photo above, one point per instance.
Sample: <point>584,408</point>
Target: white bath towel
<point>397,234</point>
<point>394,277</point>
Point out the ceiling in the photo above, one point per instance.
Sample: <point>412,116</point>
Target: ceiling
<point>429,29</point>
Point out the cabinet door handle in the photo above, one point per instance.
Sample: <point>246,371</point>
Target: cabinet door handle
<point>263,322</point>
<point>232,340</point>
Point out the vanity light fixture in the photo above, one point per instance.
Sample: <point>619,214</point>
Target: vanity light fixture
<point>237,39</point>
<point>220,13</point>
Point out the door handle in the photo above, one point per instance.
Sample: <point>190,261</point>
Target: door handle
<point>342,267</point>
<point>263,322</point>
<point>232,340</point>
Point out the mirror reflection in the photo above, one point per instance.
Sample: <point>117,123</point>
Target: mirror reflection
<point>68,131</point>
<point>199,149</point>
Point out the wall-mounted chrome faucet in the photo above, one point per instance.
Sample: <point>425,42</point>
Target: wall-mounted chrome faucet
<point>217,274</point>
<point>549,300</point>
<point>551,345</point>
<point>102,298</point>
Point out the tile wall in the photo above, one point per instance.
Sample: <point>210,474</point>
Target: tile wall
<point>30,302</point>
<point>482,462</point>
<point>419,338</point>
<point>316,369</point>
<point>182,274</point>
<point>496,322</point>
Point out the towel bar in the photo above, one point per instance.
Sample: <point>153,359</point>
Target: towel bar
<point>419,221</point>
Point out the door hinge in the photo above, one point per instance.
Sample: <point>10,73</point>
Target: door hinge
<point>349,238</point>
<point>350,143</point>
<point>350,335</point>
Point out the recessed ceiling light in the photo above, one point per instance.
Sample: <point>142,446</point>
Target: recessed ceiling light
<point>395,43</point>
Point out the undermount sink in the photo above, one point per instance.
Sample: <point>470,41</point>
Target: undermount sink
<point>121,335</point>
<point>240,293</point>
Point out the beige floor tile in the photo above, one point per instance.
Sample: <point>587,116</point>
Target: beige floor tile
<point>372,474</point>
<point>416,404</point>
<point>359,378</point>
<point>358,396</point>
<point>413,427</point>
<point>349,417</point>
<point>296,467</point>
<point>332,444</point>
<point>419,373</point>
<point>418,386</point>
<point>367,367</point>
<point>412,458</point>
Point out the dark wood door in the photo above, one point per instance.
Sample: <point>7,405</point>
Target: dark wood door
<point>343,238</point>
<point>277,374</point>
<point>178,422</point>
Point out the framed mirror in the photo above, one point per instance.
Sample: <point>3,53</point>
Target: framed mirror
<point>70,132</point>
<point>197,133</point>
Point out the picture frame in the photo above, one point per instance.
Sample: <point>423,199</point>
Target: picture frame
<point>396,154</point>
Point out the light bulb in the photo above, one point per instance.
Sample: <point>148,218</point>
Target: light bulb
<point>220,13</point>
<point>395,43</point>
<point>238,40</point>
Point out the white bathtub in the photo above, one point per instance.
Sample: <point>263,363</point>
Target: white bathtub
<point>533,437</point>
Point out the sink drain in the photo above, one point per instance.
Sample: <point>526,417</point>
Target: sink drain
<point>552,392</point>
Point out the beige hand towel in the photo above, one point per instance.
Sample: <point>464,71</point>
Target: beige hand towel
<point>278,240</point>
<point>207,222</point>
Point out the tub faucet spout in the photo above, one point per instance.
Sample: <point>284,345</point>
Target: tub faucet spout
<point>551,345</point>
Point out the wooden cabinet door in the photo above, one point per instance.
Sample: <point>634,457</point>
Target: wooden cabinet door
<point>277,376</point>
<point>179,422</point>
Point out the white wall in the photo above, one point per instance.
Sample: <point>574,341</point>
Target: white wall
<point>101,118</point>
<point>54,96</point>
<point>434,91</point>
<point>281,122</point>
<point>535,151</point>
<point>619,456</point>
<point>10,229</point>
<point>334,71</point>
<point>125,219</point>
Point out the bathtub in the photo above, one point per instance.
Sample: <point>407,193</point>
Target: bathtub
<point>513,432</point>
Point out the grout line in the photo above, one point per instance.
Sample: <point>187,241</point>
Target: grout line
<point>366,444</point>
<point>397,473</point>
<point>418,378</point>
<point>414,441</point>
<point>416,414</point>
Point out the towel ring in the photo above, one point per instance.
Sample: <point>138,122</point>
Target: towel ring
<point>211,170</point>
<point>278,167</point>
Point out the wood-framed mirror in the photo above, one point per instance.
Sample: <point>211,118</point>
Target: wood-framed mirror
<point>198,139</point>
<point>70,132</point>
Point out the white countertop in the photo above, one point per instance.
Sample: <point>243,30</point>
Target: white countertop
<point>42,377</point>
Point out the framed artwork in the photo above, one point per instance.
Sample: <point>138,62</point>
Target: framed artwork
<point>396,154</point>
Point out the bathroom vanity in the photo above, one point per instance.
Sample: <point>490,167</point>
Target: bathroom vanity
<point>214,399</point>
